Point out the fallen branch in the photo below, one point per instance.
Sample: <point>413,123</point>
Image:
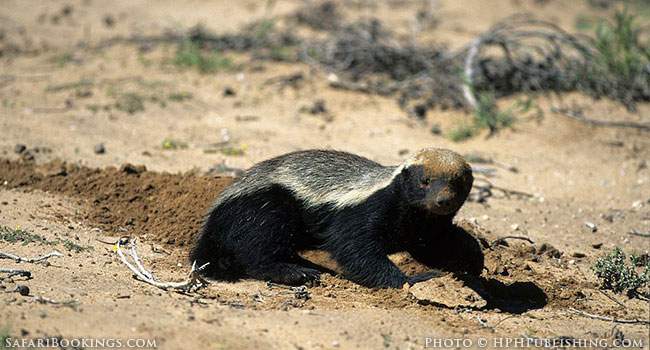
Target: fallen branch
<point>16,272</point>
<point>579,116</point>
<point>36,260</point>
<point>610,319</point>
<point>194,280</point>
<point>503,239</point>
<point>611,297</point>
<point>43,300</point>
<point>484,189</point>
<point>640,234</point>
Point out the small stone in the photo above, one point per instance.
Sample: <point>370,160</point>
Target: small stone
<point>514,227</point>
<point>318,107</point>
<point>578,255</point>
<point>503,271</point>
<point>20,148</point>
<point>22,290</point>
<point>597,245</point>
<point>591,226</point>
<point>109,21</point>
<point>336,344</point>
<point>229,92</point>
<point>132,169</point>
<point>420,111</point>
<point>100,148</point>
<point>549,250</point>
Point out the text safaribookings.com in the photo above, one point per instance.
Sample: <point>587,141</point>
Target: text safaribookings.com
<point>79,343</point>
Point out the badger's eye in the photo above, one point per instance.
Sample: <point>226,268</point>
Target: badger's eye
<point>426,182</point>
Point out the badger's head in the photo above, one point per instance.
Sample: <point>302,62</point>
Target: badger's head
<point>436,179</point>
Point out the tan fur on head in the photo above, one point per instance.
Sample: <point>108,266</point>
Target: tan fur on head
<point>438,162</point>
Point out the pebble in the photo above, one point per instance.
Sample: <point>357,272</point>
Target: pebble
<point>20,148</point>
<point>591,226</point>
<point>100,148</point>
<point>132,169</point>
<point>228,91</point>
<point>22,290</point>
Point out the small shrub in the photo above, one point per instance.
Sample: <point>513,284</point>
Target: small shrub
<point>130,103</point>
<point>180,96</point>
<point>616,274</point>
<point>190,55</point>
<point>486,116</point>
<point>621,51</point>
<point>19,235</point>
<point>172,144</point>
<point>462,132</point>
<point>62,59</point>
<point>74,247</point>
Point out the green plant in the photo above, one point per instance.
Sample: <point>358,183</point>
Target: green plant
<point>172,144</point>
<point>263,29</point>
<point>72,246</point>
<point>190,55</point>
<point>19,235</point>
<point>621,51</point>
<point>462,132</point>
<point>486,116</point>
<point>180,96</point>
<point>616,274</point>
<point>62,59</point>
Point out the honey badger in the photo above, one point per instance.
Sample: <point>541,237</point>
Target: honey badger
<point>354,208</point>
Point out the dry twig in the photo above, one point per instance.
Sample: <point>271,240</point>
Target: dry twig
<point>635,232</point>
<point>73,304</point>
<point>579,116</point>
<point>194,280</point>
<point>503,239</point>
<point>610,319</point>
<point>16,272</point>
<point>484,189</point>
<point>36,260</point>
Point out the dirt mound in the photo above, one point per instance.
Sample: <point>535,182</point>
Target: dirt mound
<point>165,207</point>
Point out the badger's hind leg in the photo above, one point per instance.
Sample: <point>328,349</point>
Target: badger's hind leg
<point>266,234</point>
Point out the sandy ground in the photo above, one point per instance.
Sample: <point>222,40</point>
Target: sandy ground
<point>575,173</point>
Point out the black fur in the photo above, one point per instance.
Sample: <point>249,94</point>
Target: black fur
<point>258,231</point>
